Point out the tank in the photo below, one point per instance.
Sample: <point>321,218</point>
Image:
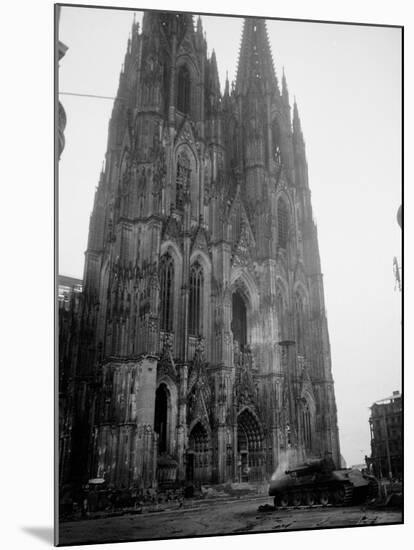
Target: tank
<point>319,482</point>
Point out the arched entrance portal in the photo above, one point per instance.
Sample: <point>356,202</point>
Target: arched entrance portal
<point>198,456</point>
<point>239,320</point>
<point>163,426</point>
<point>249,448</point>
<point>161,417</point>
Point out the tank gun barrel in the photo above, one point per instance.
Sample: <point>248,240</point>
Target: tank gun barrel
<point>300,469</point>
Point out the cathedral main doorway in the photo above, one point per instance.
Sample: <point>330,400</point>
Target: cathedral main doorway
<point>198,456</point>
<point>251,463</point>
<point>167,465</point>
<point>161,417</point>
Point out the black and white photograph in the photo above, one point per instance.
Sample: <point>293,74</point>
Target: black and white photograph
<point>229,276</point>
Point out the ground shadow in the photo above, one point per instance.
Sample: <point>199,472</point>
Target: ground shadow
<point>43,533</point>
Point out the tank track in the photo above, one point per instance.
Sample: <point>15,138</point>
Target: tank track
<point>323,496</point>
<point>349,491</point>
<point>373,489</point>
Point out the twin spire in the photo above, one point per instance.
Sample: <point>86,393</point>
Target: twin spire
<point>255,63</point>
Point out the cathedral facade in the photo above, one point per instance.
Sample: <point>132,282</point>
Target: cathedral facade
<point>200,350</point>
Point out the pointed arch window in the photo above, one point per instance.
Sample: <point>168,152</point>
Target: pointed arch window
<point>196,299</point>
<point>307,431</point>
<point>182,184</point>
<point>184,90</point>
<point>276,142</point>
<point>280,311</point>
<point>282,223</point>
<point>299,317</point>
<point>166,292</point>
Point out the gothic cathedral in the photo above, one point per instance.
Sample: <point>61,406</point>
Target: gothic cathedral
<point>200,344</point>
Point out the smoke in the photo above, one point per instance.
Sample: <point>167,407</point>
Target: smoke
<point>287,459</point>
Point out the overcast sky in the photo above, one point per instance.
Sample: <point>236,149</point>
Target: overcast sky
<point>347,82</point>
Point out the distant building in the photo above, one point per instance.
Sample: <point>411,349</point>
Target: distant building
<point>386,437</point>
<point>69,296</point>
<point>66,287</point>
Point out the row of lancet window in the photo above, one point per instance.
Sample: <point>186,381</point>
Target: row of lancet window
<point>299,315</point>
<point>196,294</point>
<point>183,181</point>
<point>307,431</point>
<point>167,295</point>
<point>166,292</point>
<point>282,223</point>
<point>183,90</point>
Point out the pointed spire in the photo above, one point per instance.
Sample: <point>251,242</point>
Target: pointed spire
<point>227,85</point>
<point>297,127</point>
<point>255,58</point>
<point>135,25</point>
<point>215,81</point>
<point>101,175</point>
<point>199,34</point>
<point>296,119</point>
<point>199,26</point>
<point>285,91</point>
<point>226,95</point>
<point>299,153</point>
<point>188,21</point>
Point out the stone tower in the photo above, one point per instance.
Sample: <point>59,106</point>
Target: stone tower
<point>202,349</point>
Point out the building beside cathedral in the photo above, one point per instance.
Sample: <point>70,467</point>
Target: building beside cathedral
<point>198,349</point>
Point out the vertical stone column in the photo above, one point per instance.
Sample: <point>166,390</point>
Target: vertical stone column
<point>185,288</point>
<point>171,110</point>
<point>269,143</point>
<point>235,453</point>
<point>147,372</point>
<point>222,452</point>
<point>227,340</point>
<point>276,422</point>
<point>222,377</point>
<point>145,399</point>
<point>182,421</point>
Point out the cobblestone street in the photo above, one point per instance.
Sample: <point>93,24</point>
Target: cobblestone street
<point>240,516</point>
